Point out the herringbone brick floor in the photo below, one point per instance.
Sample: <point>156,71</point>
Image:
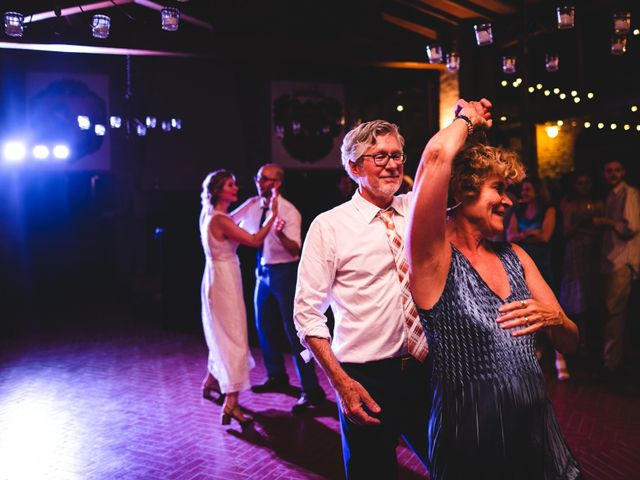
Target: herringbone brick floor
<point>127,405</point>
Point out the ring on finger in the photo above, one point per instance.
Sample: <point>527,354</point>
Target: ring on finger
<point>526,321</point>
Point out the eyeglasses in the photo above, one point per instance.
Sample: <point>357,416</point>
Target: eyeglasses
<point>381,159</point>
<point>262,178</point>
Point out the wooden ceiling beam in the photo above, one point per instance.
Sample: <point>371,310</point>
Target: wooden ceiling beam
<point>432,12</point>
<point>412,27</point>
<point>456,9</point>
<point>496,6</point>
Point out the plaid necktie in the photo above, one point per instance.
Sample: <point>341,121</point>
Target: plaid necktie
<point>416,340</point>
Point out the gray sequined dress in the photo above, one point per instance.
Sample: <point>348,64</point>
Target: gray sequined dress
<point>491,417</point>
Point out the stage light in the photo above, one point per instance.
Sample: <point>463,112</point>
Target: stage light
<point>40,152</point>
<point>61,152</point>
<point>400,108</point>
<point>14,151</point>
<point>151,122</point>
<point>590,95</point>
<point>587,124</point>
<point>141,129</point>
<point>83,122</point>
<point>600,125</point>
<point>176,123</point>
<point>99,130</point>
<point>115,122</point>
<point>560,123</point>
<point>166,126</point>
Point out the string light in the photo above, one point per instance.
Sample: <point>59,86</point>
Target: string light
<point>613,126</point>
<point>563,96</point>
<point>560,123</point>
<point>600,125</point>
<point>576,99</point>
<point>587,124</point>
<point>634,108</point>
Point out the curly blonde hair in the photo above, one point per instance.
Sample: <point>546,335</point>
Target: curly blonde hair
<point>475,163</point>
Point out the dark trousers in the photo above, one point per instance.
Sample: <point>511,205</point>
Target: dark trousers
<point>403,391</point>
<point>279,282</point>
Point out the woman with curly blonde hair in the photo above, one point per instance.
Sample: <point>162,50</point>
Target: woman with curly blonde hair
<point>480,303</point>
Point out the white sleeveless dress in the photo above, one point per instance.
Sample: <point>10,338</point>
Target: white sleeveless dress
<point>224,318</point>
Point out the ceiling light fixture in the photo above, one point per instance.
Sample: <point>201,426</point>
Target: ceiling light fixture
<point>170,18</point>
<point>13,24</point>
<point>100,26</point>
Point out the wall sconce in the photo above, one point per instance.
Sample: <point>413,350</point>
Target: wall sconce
<point>618,45</point>
<point>621,23</point>
<point>434,52</point>
<point>100,26</point>
<point>551,62</point>
<point>552,131</point>
<point>170,19</point>
<point>452,62</point>
<point>13,24</point>
<point>509,64</point>
<point>484,34</point>
<point>566,16</point>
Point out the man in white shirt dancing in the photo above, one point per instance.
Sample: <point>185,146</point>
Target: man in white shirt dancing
<point>353,260</point>
<point>276,270</point>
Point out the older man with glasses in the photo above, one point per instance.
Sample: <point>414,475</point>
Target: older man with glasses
<point>353,260</point>
<point>276,270</point>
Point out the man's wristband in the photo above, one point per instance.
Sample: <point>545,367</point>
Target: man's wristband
<point>467,121</point>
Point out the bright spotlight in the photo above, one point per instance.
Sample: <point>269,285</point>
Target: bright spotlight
<point>115,122</point>
<point>14,151</point>
<point>503,118</point>
<point>83,122</point>
<point>61,152</point>
<point>40,152</point>
<point>100,130</point>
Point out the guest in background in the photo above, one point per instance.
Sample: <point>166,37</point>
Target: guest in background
<point>224,318</point>
<point>620,258</point>
<point>532,226</point>
<point>578,292</point>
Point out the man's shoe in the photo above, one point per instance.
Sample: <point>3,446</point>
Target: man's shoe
<point>272,384</point>
<point>308,401</point>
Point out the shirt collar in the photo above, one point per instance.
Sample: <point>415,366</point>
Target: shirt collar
<point>618,188</point>
<point>369,211</point>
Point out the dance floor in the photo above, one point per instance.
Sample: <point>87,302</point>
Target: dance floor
<point>125,403</point>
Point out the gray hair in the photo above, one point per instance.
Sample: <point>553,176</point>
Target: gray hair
<point>363,137</point>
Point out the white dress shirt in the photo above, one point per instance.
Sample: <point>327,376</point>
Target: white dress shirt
<point>621,245</point>
<point>248,215</point>
<point>347,263</point>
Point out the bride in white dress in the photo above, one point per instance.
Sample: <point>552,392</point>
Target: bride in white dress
<point>223,312</point>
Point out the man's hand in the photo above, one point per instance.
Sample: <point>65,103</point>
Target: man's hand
<point>355,401</point>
